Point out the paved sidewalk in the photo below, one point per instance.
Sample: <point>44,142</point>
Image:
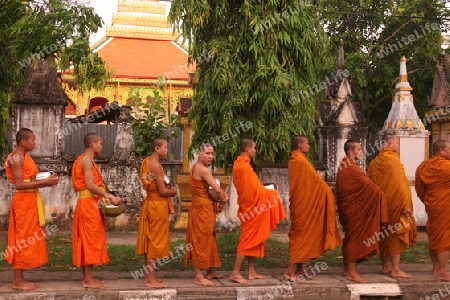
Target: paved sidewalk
<point>326,283</point>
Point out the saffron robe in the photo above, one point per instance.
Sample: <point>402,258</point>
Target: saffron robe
<point>153,233</point>
<point>200,231</point>
<point>88,225</point>
<point>362,208</point>
<point>27,248</point>
<point>388,173</point>
<point>260,209</point>
<point>433,188</point>
<point>312,211</point>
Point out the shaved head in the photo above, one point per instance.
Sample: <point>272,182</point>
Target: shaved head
<point>23,134</point>
<point>438,146</point>
<point>158,142</point>
<point>244,143</point>
<point>202,146</point>
<point>91,138</point>
<point>350,145</point>
<point>297,140</point>
<point>388,137</point>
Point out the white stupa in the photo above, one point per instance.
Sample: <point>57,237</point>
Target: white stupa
<point>403,114</point>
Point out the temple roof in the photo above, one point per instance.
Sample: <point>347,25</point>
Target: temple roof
<point>144,59</point>
<point>141,20</point>
<point>440,94</point>
<point>140,44</point>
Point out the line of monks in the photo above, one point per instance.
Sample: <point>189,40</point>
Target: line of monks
<point>368,205</point>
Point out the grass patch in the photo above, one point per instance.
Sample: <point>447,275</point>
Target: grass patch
<point>124,259</point>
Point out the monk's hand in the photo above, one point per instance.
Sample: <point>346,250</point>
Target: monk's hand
<point>173,191</point>
<point>115,200</point>
<point>52,179</point>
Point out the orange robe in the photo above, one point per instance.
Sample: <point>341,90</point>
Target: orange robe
<point>312,210</point>
<point>153,234</point>
<point>26,239</point>
<point>88,225</point>
<point>388,173</point>
<point>200,231</point>
<point>362,208</point>
<point>260,209</point>
<point>433,188</point>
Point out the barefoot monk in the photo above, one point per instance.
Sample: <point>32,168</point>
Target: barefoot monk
<point>202,217</point>
<point>153,234</point>
<point>27,217</point>
<point>362,208</point>
<point>312,209</point>
<point>388,173</point>
<point>433,188</point>
<point>260,210</point>
<point>88,227</point>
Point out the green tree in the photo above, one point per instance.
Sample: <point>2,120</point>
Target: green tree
<point>149,120</point>
<point>254,58</point>
<point>37,30</point>
<point>377,33</point>
<point>90,73</point>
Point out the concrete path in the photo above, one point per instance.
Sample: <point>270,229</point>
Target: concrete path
<point>326,283</point>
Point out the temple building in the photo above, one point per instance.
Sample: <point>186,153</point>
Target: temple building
<point>139,46</point>
<point>439,112</point>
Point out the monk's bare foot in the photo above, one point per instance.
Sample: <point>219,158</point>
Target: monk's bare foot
<point>159,280</point>
<point>356,278</point>
<point>93,284</point>
<point>239,279</point>
<point>156,284</point>
<point>288,275</point>
<point>35,284</point>
<point>204,281</point>
<point>434,272</point>
<point>385,272</point>
<point>24,285</point>
<point>255,275</point>
<point>214,275</point>
<point>399,274</point>
<point>444,277</point>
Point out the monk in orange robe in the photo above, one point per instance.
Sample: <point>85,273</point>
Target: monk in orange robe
<point>362,208</point>
<point>202,217</point>
<point>312,211</point>
<point>153,234</point>
<point>433,188</point>
<point>260,210</point>
<point>400,232</point>
<point>26,238</point>
<point>88,225</point>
